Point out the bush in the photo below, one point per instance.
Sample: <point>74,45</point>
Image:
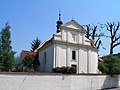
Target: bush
<point>110,65</point>
<point>57,70</point>
<point>72,70</point>
<point>64,70</point>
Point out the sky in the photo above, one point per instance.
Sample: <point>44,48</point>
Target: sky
<point>37,18</point>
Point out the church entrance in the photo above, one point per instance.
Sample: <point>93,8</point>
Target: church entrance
<point>75,67</point>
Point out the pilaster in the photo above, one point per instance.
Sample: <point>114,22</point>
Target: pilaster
<point>89,61</point>
<point>67,36</point>
<point>62,35</point>
<point>79,60</point>
<point>68,56</point>
<point>57,56</point>
<point>83,39</point>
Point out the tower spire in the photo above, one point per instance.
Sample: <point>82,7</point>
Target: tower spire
<point>59,15</point>
<point>59,22</point>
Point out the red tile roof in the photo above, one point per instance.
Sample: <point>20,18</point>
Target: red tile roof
<point>25,53</point>
<point>45,43</point>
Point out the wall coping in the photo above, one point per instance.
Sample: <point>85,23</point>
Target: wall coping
<point>47,73</point>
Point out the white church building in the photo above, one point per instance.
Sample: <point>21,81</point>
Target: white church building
<point>69,47</point>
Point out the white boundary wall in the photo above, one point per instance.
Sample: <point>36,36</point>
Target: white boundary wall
<point>57,82</point>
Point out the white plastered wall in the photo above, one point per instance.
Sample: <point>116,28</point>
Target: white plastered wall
<point>83,60</point>
<point>49,59</point>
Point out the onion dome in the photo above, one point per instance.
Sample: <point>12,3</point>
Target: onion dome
<point>59,23</point>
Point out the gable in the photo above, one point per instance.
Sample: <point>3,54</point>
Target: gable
<point>74,25</point>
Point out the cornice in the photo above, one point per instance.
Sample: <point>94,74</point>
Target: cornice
<point>75,44</point>
<point>68,44</point>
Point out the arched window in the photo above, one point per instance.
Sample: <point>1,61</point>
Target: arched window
<point>45,57</point>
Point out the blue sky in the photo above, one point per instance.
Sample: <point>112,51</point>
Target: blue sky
<point>37,18</point>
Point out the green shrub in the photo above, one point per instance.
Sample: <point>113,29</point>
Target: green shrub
<point>110,65</point>
<point>64,70</point>
<point>56,70</point>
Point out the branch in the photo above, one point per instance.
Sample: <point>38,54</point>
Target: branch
<point>117,28</point>
<point>110,28</point>
<point>88,30</point>
<point>97,41</point>
<point>107,26</point>
<point>94,31</point>
<point>107,36</point>
<point>99,44</point>
<point>116,39</point>
<point>116,44</point>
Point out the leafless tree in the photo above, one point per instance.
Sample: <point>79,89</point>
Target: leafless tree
<point>93,35</point>
<point>114,29</point>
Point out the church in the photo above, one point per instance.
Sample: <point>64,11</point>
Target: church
<point>68,47</point>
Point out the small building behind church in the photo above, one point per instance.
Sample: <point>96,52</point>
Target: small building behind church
<point>24,53</point>
<point>69,47</point>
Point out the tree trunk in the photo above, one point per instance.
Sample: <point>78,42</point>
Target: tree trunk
<point>111,48</point>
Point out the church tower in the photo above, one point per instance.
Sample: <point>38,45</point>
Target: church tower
<point>59,22</point>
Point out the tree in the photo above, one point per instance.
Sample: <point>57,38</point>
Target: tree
<point>113,28</point>
<point>36,62</point>
<point>94,33</point>
<point>17,59</point>
<point>28,62</point>
<point>35,44</point>
<point>110,65</point>
<point>31,62</point>
<point>0,54</point>
<point>7,55</point>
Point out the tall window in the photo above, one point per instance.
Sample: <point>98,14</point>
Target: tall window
<point>73,37</point>
<point>45,57</point>
<point>73,55</point>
